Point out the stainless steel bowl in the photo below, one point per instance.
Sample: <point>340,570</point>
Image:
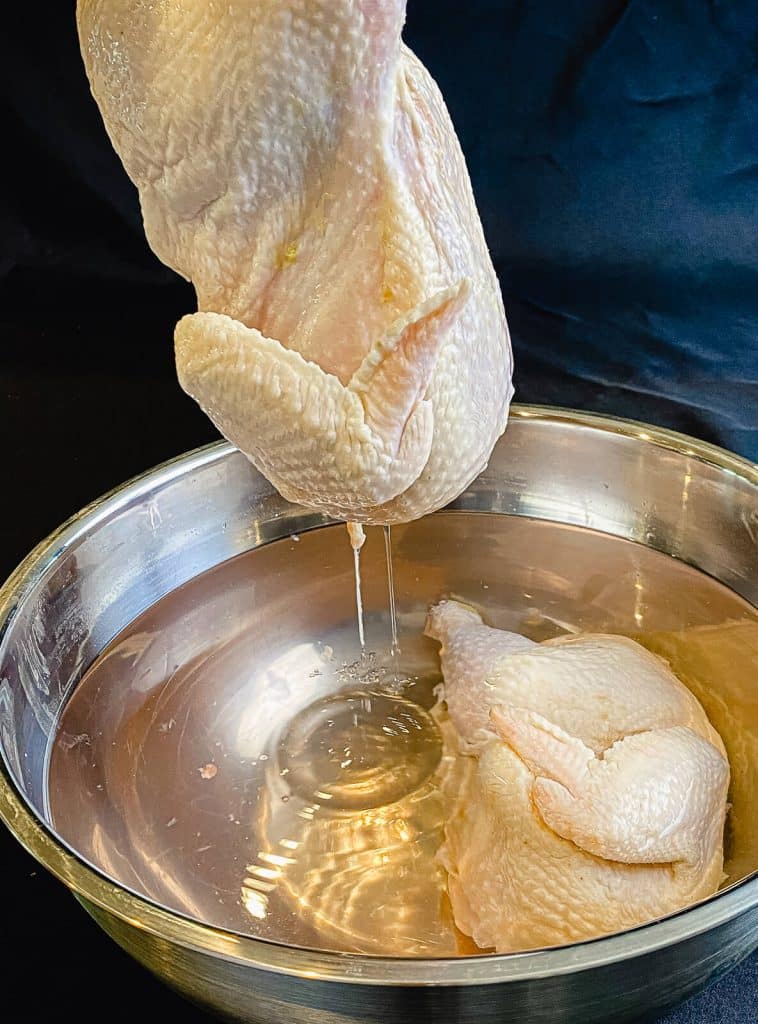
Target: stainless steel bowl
<point>118,557</point>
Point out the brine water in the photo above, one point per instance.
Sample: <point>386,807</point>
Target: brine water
<point>236,755</point>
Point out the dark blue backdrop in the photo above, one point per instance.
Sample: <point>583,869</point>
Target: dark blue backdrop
<point>614,152</point>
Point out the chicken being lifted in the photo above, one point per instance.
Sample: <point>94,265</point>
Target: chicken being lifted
<point>600,794</point>
<point>296,162</point>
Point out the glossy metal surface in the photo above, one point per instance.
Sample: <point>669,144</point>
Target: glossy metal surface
<point>112,562</point>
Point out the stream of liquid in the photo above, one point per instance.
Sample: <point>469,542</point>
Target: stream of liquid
<point>395,646</point>
<point>357,540</point>
<point>357,537</point>
<point>236,756</point>
<point>359,598</point>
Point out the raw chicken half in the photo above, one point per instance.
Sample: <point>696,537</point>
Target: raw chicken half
<point>296,162</point>
<point>599,798</point>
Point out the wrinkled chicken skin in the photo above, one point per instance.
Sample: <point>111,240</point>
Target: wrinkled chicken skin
<point>599,798</point>
<point>296,162</point>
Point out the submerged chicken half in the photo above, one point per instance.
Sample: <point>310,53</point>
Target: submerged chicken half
<point>296,162</point>
<point>600,794</point>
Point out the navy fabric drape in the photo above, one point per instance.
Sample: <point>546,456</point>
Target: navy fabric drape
<point>614,152</point>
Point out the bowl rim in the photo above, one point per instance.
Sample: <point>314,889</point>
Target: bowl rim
<point>100,894</point>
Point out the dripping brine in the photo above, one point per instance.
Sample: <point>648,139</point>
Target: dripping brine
<point>218,760</point>
<point>395,646</point>
<point>359,597</point>
<point>357,540</point>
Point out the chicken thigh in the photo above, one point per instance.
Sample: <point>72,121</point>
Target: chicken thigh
<point>599,798</point>
<point>296,162</point>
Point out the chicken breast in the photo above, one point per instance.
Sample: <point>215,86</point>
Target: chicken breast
<point>600,793</point>
<point>296,162</point>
